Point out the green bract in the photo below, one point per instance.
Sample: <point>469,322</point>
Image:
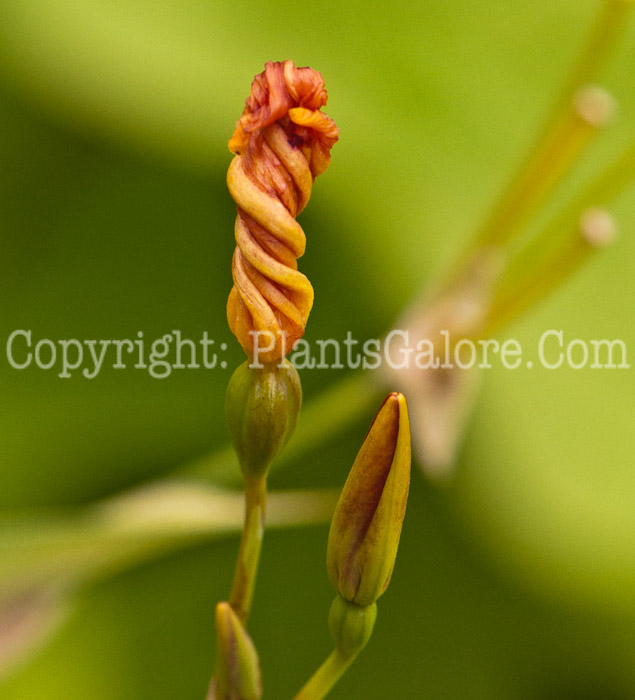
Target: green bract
<point>262,406</point>
<point>350,625</point>
<point>366,526</point>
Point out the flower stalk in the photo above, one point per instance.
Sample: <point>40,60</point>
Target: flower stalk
<point>281,143</point>
<point>246,570</point>
<point>590,110</point>
<point>578,111</point>
<point>262,407</point>
<point>605,34</point>
<point>322,681</point>
<point>364,538</point>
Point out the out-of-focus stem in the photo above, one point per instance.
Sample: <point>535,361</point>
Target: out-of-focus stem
<point>559,250</point>
<point>595,229</point>
<point>550,159</point>
<point>321,682</point>
<point>563,136</point>
<point>566,132</point>
<point>604,36</point>
<point>610,183</point>
<point>250,546</point>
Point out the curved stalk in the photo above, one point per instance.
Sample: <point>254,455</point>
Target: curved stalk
<point>321,682</point>
<point>250,546</point>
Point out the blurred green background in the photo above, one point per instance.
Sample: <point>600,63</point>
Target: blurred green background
<point>517,578</point>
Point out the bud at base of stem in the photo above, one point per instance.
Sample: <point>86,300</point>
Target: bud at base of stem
<point>351,625</point>
<point>238,674</point>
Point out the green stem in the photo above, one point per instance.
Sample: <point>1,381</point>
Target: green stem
<point>250,546</point>
<point>561,140</point>
<point>563,135</point>
<point>551,157</point>
<point>520,294</point>
<point>321,682</point>
<point>552,256</point>
<point>604,36</point>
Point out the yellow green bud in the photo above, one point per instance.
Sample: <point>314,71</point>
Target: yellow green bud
<point>262,406</point>
<point>366,526</point>
<point>238,667</point>
<point>350,625</point>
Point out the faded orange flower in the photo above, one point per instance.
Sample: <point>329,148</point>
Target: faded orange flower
<point>282,143</point>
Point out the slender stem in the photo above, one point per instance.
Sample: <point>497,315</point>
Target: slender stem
<point>321,682</point>
<point>550,159</point>
<point>604,36</point>
<point>515,298</point>
<point>558,251</point>
<point>563,137</point>
<point>250,546</point>
<point>610,183</point>
<point>564,134</point>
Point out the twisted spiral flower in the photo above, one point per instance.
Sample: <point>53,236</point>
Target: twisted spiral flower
<point>282,143</point>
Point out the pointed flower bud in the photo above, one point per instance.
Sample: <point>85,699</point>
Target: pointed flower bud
<point>262,406</point>
<point>366,526</point>
<point>238,673</point>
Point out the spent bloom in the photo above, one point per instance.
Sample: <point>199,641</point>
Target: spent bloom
<point>282,143</point>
